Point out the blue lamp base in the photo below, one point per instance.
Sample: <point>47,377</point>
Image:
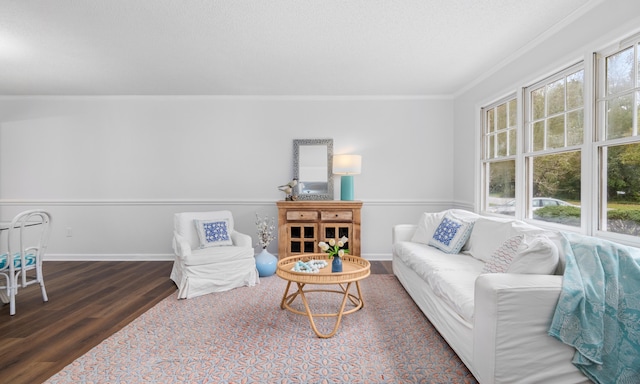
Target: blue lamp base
<point>346,187</point>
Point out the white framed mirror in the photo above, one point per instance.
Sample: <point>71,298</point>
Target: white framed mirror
<point>312,166</point>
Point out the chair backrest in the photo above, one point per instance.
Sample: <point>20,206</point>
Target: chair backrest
<point>29,234</point>
<point>184,225</point>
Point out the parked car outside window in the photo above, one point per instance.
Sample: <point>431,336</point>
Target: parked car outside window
<point>538,202</point>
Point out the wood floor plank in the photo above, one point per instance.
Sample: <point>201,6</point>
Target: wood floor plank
<point>88,302</point>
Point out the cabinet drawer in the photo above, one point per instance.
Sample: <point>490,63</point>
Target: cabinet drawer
<point>302,215</point>
<point>337,215</point>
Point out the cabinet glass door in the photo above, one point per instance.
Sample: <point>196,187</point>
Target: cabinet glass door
<point>336,231</point>
<point>302,238</point>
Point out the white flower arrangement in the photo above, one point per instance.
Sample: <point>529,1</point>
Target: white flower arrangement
<point>333,247</point>
<point>265,230</point>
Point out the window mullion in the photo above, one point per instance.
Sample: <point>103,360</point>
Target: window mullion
<point>636,89</point>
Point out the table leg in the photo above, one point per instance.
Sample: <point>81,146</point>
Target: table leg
<point>354,300</point>
<point>285,303</point>
<point>357,301</point>
<point>284,297</point>
<point>310,315</point>
<point>359,294</point>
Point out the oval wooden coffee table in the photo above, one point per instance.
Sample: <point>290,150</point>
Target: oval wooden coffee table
<point>354,269</point>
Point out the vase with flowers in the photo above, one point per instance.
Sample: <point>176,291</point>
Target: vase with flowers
<point>266,263</point>
<point>335,250</point>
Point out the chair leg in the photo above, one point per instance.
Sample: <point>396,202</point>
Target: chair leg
<point>12,301</point>
<point>45,298</point>
<point>40,277</point>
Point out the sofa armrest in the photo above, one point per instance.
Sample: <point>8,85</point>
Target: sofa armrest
<point>402,232</point>
<point>241,240</point>
<point>512,315</point>
<point>181,246</point>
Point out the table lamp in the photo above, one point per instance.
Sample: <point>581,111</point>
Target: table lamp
<point>346,166</point>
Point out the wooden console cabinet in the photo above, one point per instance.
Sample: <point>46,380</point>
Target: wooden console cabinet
<point>303,224</point>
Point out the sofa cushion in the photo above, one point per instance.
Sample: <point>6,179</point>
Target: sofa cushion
<point>416,256</point>
<point>488,235</point>
<point>427,226</point>
<point>457,287</point>
<point>451,277</point>
<point>217,255</point>
<point>537,254</point>
<point>503,256</point>
<point>451,234</point>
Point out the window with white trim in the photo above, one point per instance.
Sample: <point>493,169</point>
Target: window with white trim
<point>618,139</point>
<point>556,153</point>
<point>554,135</point>
<point>499,142</point>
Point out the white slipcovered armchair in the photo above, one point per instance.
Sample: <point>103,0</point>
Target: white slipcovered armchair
<point>210,255</point>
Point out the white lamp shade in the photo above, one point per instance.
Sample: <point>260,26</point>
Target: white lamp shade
<point>347,164</point>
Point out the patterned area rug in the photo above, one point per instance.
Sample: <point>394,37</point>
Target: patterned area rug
<point>242,336</point>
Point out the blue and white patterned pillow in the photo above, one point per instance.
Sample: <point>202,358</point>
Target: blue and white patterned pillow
<point>451,234</point>
<point>213,233</point>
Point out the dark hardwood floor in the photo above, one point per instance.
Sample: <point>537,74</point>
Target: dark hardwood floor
<point>88,302</point>
<point>381,267</point>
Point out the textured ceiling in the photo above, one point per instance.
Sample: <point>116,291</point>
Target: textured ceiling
<point>260,47</point>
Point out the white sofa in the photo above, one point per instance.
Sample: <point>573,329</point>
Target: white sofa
<point>497,323</point>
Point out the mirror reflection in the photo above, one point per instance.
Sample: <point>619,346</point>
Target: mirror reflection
<point>313,163</point>
<point>312,167</point>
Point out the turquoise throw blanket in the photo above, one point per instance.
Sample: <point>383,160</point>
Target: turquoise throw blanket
<point>598,312</point>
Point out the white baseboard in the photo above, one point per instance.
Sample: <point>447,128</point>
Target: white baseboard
<point>377,256</point>
<point>109,257</point>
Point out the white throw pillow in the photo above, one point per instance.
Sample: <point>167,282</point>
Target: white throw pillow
<point>537,255</point>
<point>213,233</point>
<point>452,233</point>
<point>487,236</point>
<point>502,257</point>
<point>522,228</point>
<point>427,226</point>
<point>463,214</point>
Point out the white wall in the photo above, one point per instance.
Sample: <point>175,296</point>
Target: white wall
<point>579,38</point>
<point>113,170</point>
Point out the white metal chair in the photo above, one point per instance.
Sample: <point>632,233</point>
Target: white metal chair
<point>22,252</point>
<point>214,261</point>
